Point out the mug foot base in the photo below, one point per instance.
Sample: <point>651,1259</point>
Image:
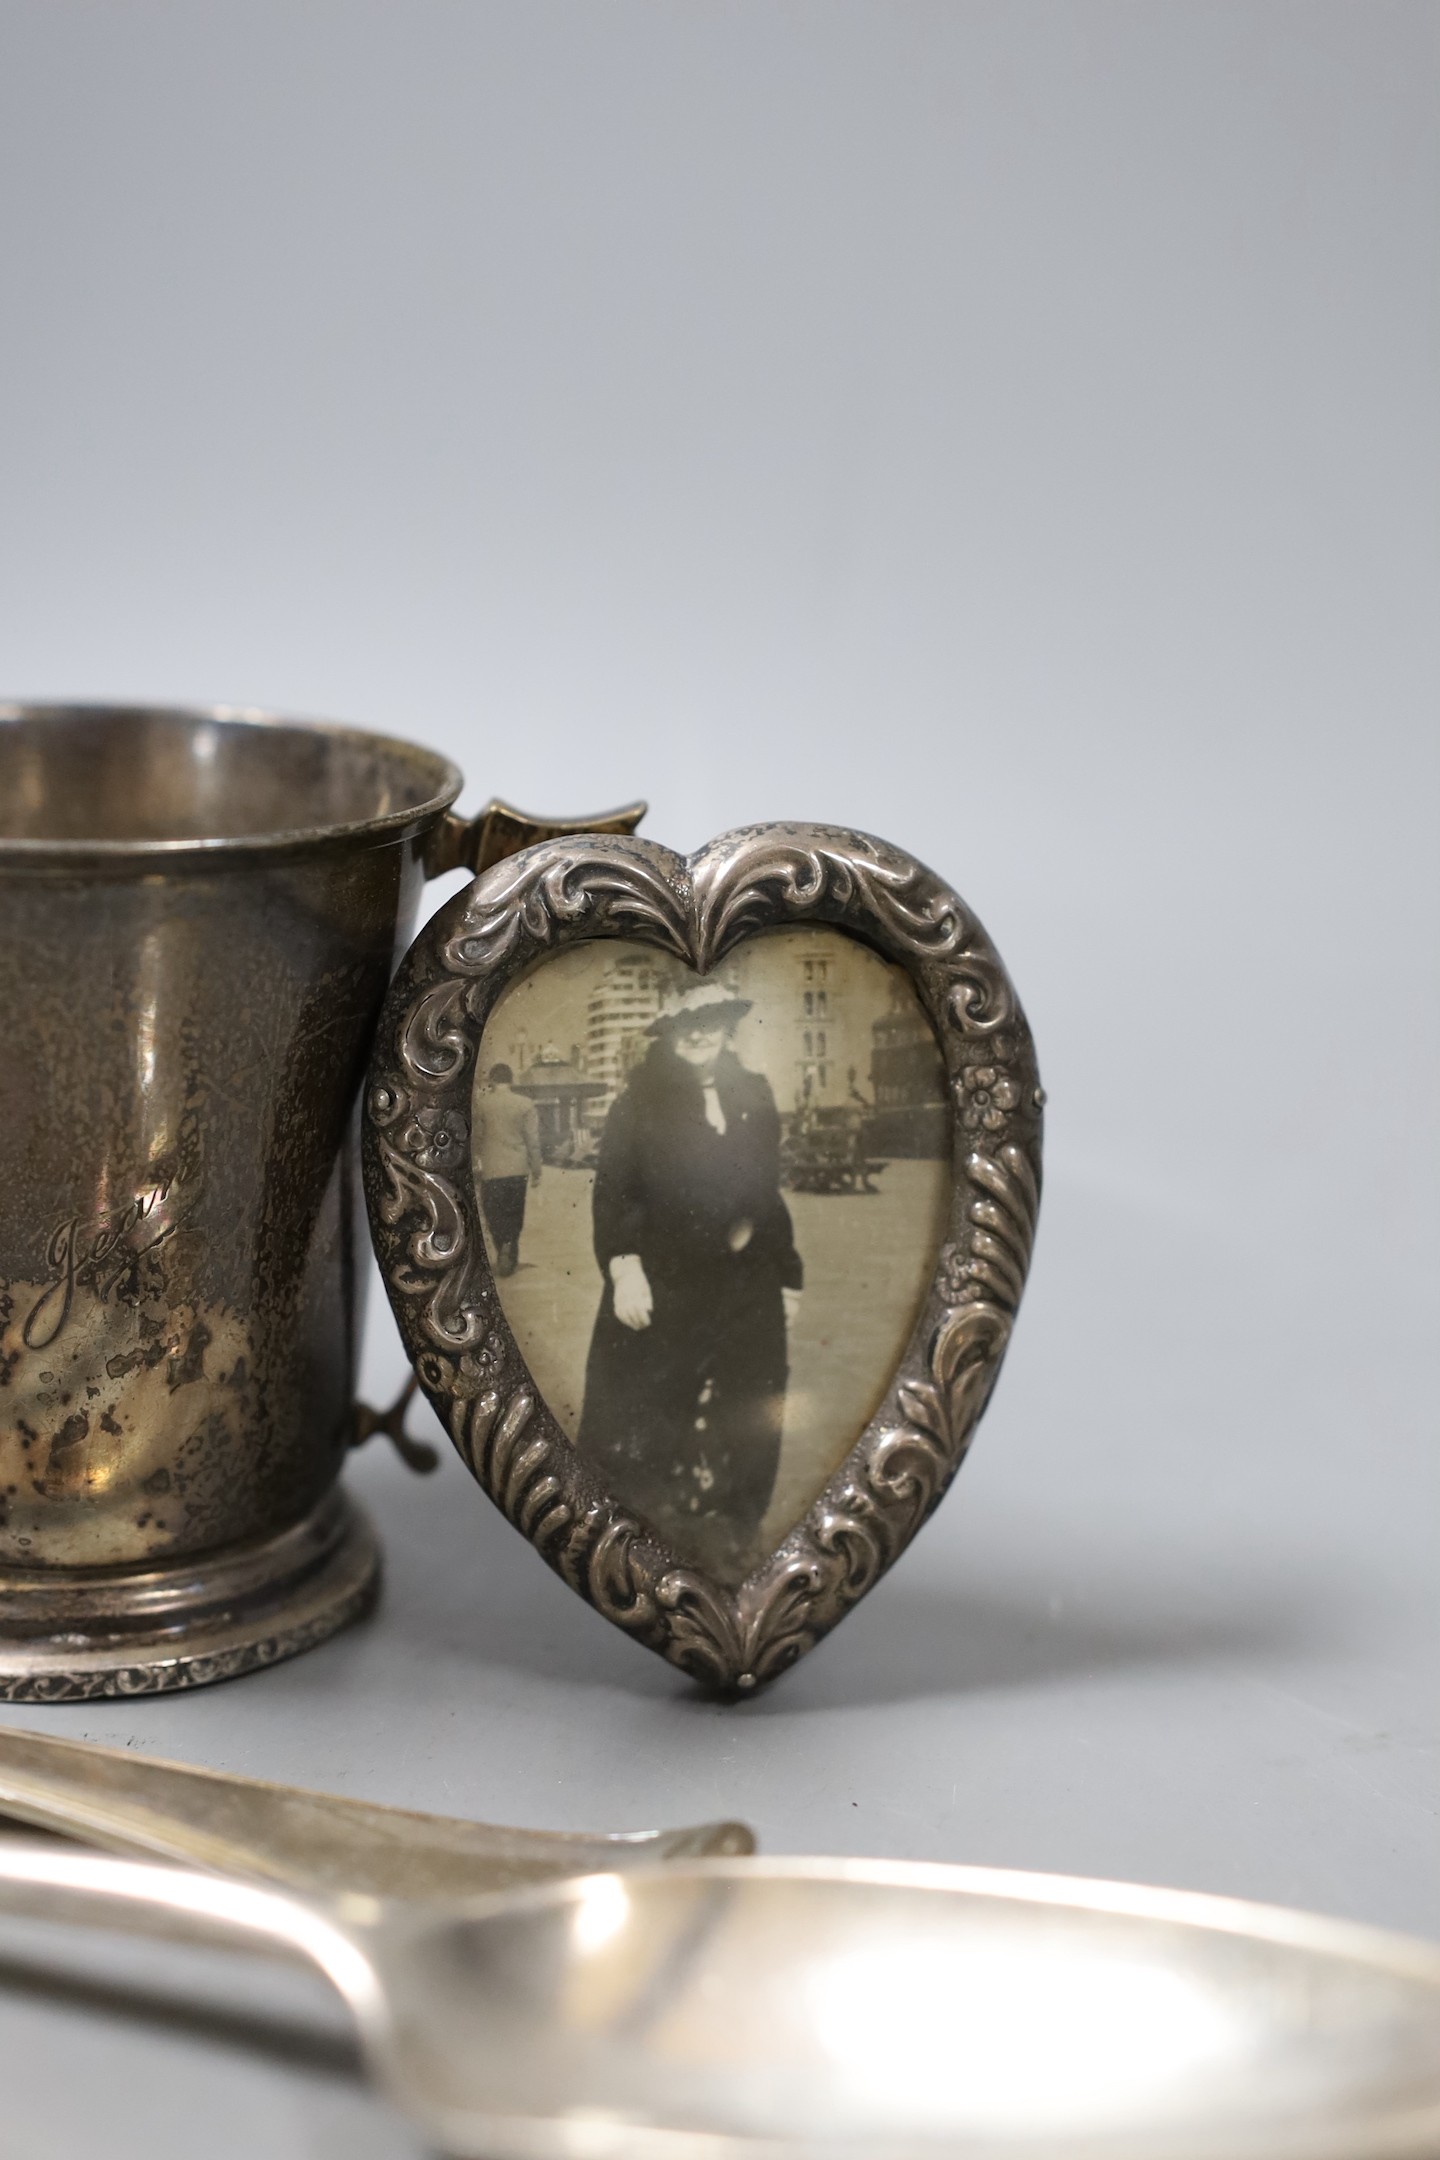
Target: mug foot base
<point>68,1636</point>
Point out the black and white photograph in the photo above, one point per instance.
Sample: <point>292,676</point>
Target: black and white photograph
<point>712,1206</point>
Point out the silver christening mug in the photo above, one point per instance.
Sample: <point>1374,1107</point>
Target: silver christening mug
<point>199,914</point>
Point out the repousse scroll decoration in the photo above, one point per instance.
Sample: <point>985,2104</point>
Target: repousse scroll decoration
<point>532,900</point>
<point>739,889</point>
<point>565,892</point>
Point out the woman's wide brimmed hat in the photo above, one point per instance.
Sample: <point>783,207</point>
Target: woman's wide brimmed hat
<point>709,1005</point>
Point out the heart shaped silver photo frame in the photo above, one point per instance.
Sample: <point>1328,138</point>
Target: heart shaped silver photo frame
<point>774,1112</point>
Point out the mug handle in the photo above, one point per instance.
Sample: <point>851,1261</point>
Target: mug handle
<point>477,843</point>
<point>417,1455</point>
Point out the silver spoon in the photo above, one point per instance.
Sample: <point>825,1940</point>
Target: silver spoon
<point>307,1841</point>
<point>791,2007</point>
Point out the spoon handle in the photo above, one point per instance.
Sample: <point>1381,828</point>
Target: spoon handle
<point>319,1844</point>
<point>58,1883</point>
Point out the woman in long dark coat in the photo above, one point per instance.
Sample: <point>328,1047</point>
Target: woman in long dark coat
<point>685,1384</point>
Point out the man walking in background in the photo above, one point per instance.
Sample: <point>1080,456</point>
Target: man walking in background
<point>506,1142</point>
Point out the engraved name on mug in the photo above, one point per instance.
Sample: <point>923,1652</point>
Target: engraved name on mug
<point>101,1255</point>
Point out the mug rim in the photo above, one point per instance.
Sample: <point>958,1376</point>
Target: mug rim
<point>389,826</point>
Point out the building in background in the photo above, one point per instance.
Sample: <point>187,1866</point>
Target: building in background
<point>829,1049</point>
<point>624,1001</point>
<point>907,1074</point>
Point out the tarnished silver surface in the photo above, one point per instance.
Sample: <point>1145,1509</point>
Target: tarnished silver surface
<point>801,2007</point>
<point>322,1844</point>
<point>199,913</point>
<point>424,1216</point>
<point>73,1634</point>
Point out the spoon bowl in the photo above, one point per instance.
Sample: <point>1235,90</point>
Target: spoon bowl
<point>822,2005</point>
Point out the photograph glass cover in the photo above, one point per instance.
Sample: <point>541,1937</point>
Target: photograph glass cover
<point>713,1206</point>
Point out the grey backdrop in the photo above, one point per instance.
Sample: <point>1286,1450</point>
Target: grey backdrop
<point>1008,427</point>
